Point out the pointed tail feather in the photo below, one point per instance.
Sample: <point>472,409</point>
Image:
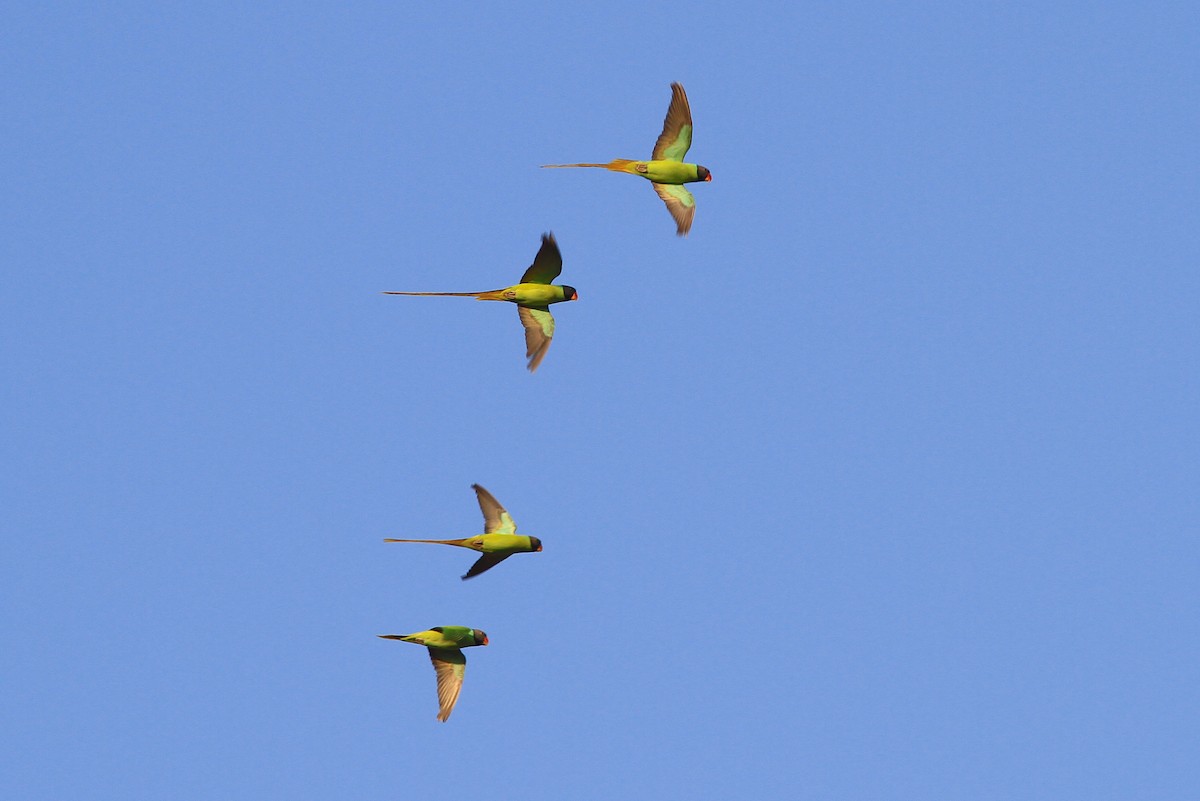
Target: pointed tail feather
<point>439,294</point>
<point>436,542</point>
<point>490,294</point>
<point>617,165</point>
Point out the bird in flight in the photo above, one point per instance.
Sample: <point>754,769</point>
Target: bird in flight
<point>445,644</point>
<point>666,170</point>
<point>533,297</point>
<point>498,541</point>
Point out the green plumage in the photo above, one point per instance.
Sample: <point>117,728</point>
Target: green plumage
<point>445,644</point>
<point>533,297</point>
<point>666,169</point>
<point>498,541</point>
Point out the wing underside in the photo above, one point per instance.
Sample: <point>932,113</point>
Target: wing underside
<point>450,666</point>
<point>539,331</point>
<point>680,203</point>
<point>496,519</point>
<point>676,136</point>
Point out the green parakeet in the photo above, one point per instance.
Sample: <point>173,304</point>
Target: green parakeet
<point>498,541</point>
<point>667,170</point>
<point>533,297</point>
<point>445,644</point>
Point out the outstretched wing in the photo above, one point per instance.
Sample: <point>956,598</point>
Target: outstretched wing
<point>676,136</point>
<point>539,330</point>
<point>680,203</point>
<point>485,563</point>
<point>547,264</point>
<point>451,666</point>
<point>496,519</point>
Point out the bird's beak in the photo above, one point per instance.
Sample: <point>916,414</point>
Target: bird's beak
<point>389,636</point>
<point>708,178</point>
<point>485,639</point>
<point>574,296</point>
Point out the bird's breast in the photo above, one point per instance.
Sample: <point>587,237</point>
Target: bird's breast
<point>506,543</point>
<point>671,172</point>
<point>536,294</point>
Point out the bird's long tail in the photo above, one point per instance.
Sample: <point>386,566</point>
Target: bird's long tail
<point>491,294</point>
<point>461,542</point>
<point>402,638</point>
<point>617,165</point>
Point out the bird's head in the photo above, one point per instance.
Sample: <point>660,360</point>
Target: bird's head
<point>536,543</point>
<point>703,174</point>
<point>480,637</point>
<point>569,293</point>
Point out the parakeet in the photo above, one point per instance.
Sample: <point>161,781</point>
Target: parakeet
<point>667,170</point>
<point>445,644</point>
<point>533,297</point>
<point>499,540</point>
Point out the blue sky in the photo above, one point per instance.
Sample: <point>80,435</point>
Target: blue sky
<point>881,484</point>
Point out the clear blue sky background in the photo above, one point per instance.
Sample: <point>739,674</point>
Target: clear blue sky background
<point>882,484</point>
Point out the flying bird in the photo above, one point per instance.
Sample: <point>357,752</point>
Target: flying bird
<point>498,541</point>
<point>533,297</point>
<point>445,644</point>
<point>666,169</point>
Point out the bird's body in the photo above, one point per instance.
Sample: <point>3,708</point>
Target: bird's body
<point>499,540</point>
<point>440,637</point>
<point>507,544</point>
<point>667,170</point>
<point>445,644</point>
<point>520,294</point>
<point>658,171</point>
<point>533,297</point>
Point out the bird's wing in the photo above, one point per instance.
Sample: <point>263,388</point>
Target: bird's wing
<point>676,136</point>
<point>484,563</point>
<point>547,264</point>
<point>539,330</point>
<point>496,519</point>
<point>450,665</point>
<point>680,203</point>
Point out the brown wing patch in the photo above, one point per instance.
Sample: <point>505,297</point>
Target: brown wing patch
<point>491,508</point>
<point>537,341</point>
<point>682,214</point>
<point>451,666</point>
<point>679,114</point>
